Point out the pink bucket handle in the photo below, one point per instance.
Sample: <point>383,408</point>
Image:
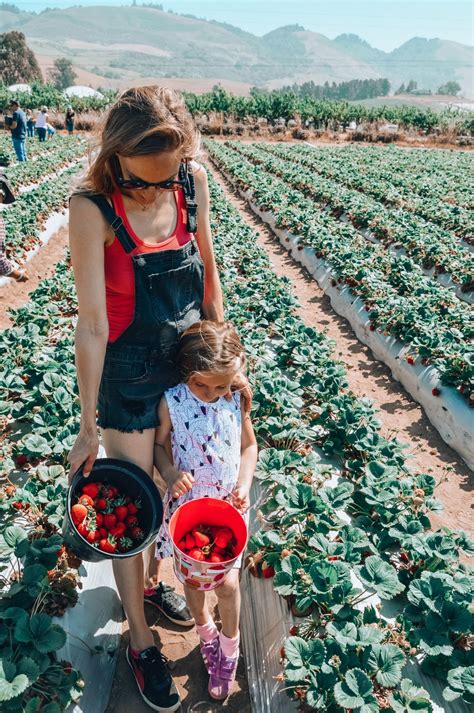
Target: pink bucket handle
<point>166,510</point>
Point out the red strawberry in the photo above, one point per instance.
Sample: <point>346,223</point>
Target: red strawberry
<point>17,505</point>
<point>197,554</point>
<point>267,570</point>
<point>216,558</point>
<point>21,460</point>
<point>118,530</point>
<point>82,529</point>
<point>101,504</point>
<point>132,508</point>
<point>182,545</point>
<point>78,513</point>
<point>86,500</point>
<point>137,533</point>
<point>111,492</point>
<point>410,360</point>
<point>121,512</point>
<point>435,391</point>
<point>201,539</point>
<point>131,520</point>
<point>109,520</point>
<point>108,545</point>
<point>372,327</point>
<point>102,532</point>
<point>92,536</point>
<point>99,519</point>
<point>190,542</point>
<point>294,631</point>
<point>91,489</point>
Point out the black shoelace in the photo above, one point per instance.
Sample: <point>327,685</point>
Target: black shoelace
<point>169,595</point>
<point>156,668</point>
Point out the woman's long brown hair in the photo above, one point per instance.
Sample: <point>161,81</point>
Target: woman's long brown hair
<point>143,120</point>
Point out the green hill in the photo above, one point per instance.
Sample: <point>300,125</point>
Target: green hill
<point>117,45</point>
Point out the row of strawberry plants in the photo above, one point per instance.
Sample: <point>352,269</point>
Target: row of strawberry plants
<point>340,657</point>
<point>399,299</point>
<point>25,219</point>
<point>34,148</point>
<point>301,397</point>
<point>428,245</point>
<point>335,163</point>
<point>436,174</point>
<point>67,151</point>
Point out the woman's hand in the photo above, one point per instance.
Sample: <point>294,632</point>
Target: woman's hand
<point>240,383</point>
<point>179,481</point>
<point>241,497</point>
<point>85,451</point>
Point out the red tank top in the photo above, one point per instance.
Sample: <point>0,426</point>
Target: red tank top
<point>119,277</point>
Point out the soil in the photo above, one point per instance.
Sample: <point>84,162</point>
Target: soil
<point>181,646</point>
<point>401,416</point>
<point>15,294</point>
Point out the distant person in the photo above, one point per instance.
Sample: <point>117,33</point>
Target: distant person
<point>17,125</point>
<point>30,123</point>
<point>41,121</point>
<point>70,114</point>
<point>50,130</point>
<point>7,268</point>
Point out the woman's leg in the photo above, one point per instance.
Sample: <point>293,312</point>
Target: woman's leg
<point>228,601</point>
<point>136,448</point>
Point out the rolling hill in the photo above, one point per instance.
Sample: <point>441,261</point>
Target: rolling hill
<point>115,46</point>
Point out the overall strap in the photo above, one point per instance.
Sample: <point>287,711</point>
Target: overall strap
<point>115,221</point>
<point>185,175</point>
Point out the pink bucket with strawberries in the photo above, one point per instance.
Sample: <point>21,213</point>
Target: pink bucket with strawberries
<point>208,536</point>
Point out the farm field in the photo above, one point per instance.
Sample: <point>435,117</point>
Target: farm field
<point>374,592</point>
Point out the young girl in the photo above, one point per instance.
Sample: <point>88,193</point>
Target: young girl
<point>212,441</point>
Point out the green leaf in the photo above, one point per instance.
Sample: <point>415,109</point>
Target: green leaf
<point>409,699</point>
<point>33,705</point>
<point>302,657</point>
<point>435,643</point>
<point>13,535</point>
<point>11,685</point>
<point>355,690</point>
<point>29,667</point>
<point>380,576</point>
<point>460,684</point>
<point>386,661</point>
<point>41,632</point>
<point>36,445</point>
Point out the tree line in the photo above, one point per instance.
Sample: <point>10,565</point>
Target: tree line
<point>351,90</point>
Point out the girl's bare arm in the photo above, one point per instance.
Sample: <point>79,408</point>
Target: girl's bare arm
<point>179,482</point>
<point>248,462</point>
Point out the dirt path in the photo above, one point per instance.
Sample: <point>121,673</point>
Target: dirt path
<point>181,646</point>
<point>15,294</point>
<point>402,417</point>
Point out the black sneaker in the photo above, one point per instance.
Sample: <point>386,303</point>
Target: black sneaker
<point>154,680</point>
<point>172,605</point>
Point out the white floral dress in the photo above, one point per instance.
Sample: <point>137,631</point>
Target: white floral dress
<point>206,441</point>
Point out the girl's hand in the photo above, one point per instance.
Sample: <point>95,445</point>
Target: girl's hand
<point>85,451</point>
<point>240,383</point>
<point>179,482</point>
<point>241,497</point>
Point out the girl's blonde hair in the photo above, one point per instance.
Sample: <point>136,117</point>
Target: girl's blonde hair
<point>213,347</point>
<point>143,121</point>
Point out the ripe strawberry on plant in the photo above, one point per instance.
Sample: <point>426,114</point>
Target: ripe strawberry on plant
<point>267,570</point>
<point>108,545</point>
<point>21,460</point>
<point>435,391</point>
<point>78,513</point>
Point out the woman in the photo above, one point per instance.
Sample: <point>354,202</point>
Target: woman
<point>69,119</point>
<point>30,123</point>
<point>138,289</point>
<point>41,121</point>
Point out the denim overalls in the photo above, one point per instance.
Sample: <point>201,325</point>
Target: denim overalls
<point>169,290</point>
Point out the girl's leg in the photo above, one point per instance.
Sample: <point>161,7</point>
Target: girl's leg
<point>136,448</point>
<point>228,596</point>
<point>198,605</point>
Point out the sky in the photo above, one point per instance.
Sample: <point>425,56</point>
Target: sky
<point>383,23</point>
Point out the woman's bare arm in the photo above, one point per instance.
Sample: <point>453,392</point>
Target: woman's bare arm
<point>88,233</point>
<point>213,305</point>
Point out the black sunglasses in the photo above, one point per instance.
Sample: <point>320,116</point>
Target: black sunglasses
<point>137,184</point>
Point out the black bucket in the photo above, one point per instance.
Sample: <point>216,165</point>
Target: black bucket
<point>130,480</point>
